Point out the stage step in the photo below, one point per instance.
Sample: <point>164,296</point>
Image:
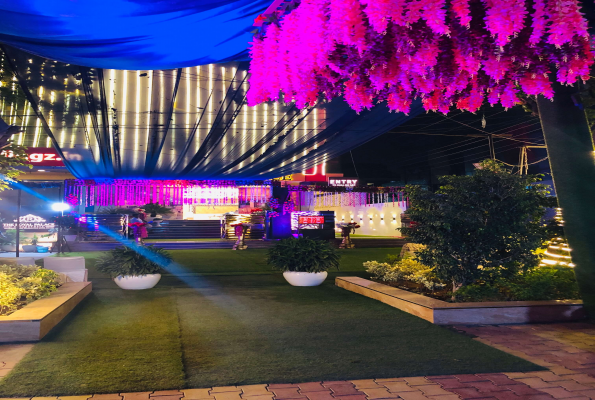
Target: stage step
<point>186,229</point>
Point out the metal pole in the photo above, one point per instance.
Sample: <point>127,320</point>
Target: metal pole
<point>18,221</point>
<point>491,143</point>
<point>61,221</point>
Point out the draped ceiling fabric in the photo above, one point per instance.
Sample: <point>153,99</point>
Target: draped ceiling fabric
<point>186,123</point>
<point>131,34</point>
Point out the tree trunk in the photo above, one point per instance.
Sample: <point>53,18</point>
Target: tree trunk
<point>455,286</point>
<point>572,162</point>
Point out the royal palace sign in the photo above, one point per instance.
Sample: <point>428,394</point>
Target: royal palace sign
<point>30,222</point>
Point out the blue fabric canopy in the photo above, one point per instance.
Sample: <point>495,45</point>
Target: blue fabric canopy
<point>131,34</point>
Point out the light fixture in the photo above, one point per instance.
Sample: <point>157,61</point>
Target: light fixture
<point>41,170</point>
<point>394,217</point>
<point>370,218</point>
<point>60,207</point>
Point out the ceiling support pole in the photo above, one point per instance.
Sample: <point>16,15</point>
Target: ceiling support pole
<point>155,144</point>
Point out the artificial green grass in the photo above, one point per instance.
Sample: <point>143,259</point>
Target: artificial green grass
<point>259,329</point>
<point>251,261</point>
<point>228,319</point>
<point>117,341</point>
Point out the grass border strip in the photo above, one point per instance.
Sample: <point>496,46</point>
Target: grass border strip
<point>482,313</point>
<point>35,320</point>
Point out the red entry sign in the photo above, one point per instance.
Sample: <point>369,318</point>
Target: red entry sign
<point>311,220</point>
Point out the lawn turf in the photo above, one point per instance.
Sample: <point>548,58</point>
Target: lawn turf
<point>116,341</point>
<point>228,319</point>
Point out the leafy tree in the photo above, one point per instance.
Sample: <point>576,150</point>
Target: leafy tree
<point>11,157</point>
<point>480,226</point>
<point>115,210</point>
<point>155,208</point>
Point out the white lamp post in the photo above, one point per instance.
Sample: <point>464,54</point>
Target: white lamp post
<point>61,207</point>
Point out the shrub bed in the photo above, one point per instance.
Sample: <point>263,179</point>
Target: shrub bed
<point>540,283</point>
<point>22,284</point>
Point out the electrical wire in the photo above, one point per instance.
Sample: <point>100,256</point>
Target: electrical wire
<point>475,155</point>
<point>415,156</point>
<point>353,161</point>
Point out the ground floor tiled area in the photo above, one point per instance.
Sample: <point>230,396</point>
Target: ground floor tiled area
<point>567,350</point>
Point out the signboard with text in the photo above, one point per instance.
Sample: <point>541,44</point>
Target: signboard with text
<point>42,156</point>
<point>316,219</point>
<point>347,182</point>
<point>30,222</point>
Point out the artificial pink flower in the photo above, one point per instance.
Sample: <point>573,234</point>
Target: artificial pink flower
<point>460,9</point>
<point>398,50</point>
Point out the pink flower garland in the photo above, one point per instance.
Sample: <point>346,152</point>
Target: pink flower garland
<point>504,19</point>
<point>567,22</point>
<point>460,9</point>
<point>539,22</point>
<point>371,51</point>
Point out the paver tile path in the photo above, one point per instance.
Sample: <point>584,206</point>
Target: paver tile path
<point>567,350</point>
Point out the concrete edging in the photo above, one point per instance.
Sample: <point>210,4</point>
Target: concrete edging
<point>35,320</point>
<point>486,313</point>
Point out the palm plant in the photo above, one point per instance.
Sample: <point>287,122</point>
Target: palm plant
<point>154,208</point>
<point>303,255</point>
<point>137,261</point>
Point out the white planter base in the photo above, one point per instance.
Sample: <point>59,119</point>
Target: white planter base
<point>140,282</point>
<point>305,278</point>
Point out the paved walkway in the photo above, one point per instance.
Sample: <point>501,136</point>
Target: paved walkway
<point>10,355</point>
<point>567,350</point>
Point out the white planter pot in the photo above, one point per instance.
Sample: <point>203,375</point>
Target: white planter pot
<point>305,278</point>
<point>140,282</point>
<point>30,248</point>
<point>70,238</point>
<point>9,247</point>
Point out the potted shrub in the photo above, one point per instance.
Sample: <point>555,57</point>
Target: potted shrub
<point>134,268</point>
<point>32,246</point>
<point>304,262</point>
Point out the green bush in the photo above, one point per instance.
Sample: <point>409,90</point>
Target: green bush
<point>143,260</point>
<point>9,237</point>
<point>479,292</point>
<point>392,259</point>
<point>20,285</point>
<point>378,270</point>
<point>543,283</point>
<point>303,255</point>
<point>406,269</point>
